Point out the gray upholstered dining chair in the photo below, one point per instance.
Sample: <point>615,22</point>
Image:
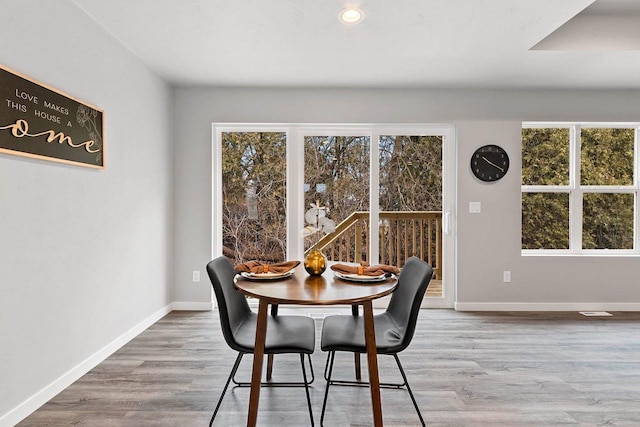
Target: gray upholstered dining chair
<point>394,328</point>
<point>285,334</point>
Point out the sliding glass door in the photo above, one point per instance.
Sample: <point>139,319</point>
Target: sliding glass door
<point>389,189</point>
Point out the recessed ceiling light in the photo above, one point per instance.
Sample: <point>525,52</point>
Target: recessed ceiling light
<point>351,15</point>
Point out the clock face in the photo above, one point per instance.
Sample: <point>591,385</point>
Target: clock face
<point>489,163</point>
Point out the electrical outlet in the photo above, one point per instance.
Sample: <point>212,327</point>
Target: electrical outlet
<point>506,276</point>
<point>196,276</point>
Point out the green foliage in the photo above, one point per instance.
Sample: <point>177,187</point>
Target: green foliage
<point>545,156</point>
<point>607,221</point>
<point>606,158</point>
<point>545,220</point>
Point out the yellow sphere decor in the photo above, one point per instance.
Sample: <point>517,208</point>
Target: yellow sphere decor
<point>315,263</point>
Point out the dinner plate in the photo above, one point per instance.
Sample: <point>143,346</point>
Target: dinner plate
<point>267,276</point>
<point>360,277</point>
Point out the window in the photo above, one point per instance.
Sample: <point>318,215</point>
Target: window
<point>579,188</point>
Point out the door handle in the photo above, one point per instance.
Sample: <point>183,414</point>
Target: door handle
<point>446,222</point>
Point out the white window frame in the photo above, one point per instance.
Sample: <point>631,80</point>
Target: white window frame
<point>577,191</point>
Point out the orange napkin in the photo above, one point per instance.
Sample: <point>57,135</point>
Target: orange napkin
<point>262,267</point>
<point>364,269</point>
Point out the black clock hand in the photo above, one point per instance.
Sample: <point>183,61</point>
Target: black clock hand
<point>491,163</point>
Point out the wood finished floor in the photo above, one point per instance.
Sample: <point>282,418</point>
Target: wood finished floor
<point>466,369</point>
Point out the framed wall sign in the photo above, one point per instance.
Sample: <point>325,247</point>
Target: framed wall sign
<point>41,122</point>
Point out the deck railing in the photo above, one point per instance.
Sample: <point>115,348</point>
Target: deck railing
<point>401,235</point>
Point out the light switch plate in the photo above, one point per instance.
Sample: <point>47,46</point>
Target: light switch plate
<point>475,207</point>
<point>506,276</point>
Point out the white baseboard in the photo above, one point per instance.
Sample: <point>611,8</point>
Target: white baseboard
<point>546,306</point>
<point>23,410</point>
<point>191,306</point>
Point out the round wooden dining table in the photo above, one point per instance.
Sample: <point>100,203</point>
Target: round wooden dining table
<point>303,289</point>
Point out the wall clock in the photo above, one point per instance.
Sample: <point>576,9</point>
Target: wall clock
<point>489,163</point>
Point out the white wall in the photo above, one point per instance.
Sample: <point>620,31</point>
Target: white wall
<point>488,243</point>
<point>85,255</point>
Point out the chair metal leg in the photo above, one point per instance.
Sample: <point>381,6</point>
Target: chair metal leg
<point>358,383</point>
<point>234,370</point>
<point>279,384</point>
<point>269,366</point>
<point>326,366</point>
<point>327,376</point>
<point>224,390</point>
<point>413,399</point>
<point>313,375</point>
<point>330,358</point>
<point>306,388</point>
